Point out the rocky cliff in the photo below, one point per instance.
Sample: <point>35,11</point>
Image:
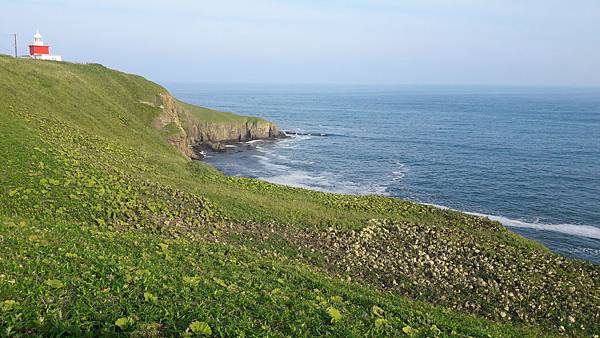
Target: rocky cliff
<point>191,128</point>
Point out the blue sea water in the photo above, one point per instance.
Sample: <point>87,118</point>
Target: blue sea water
<point>528,157</point>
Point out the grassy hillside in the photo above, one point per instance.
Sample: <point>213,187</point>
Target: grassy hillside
<point>107,228</point>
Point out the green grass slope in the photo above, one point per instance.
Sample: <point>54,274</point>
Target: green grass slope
<point>107,229</point>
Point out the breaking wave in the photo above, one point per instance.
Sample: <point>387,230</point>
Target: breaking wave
<point>588,231</point>
<point>565,228</point>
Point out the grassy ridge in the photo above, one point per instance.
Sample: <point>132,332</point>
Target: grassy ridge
<point>210,115</point>
<point>101,213</point>
<point>86,278</point>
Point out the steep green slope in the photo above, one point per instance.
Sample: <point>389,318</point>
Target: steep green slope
<point>103,217</point>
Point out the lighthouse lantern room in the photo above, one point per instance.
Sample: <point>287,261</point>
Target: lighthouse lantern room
<point>38,50</point>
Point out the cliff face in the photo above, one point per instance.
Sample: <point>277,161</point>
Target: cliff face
<point>191,127</point>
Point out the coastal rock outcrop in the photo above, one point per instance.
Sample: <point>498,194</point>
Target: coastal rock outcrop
<point>191,128</point>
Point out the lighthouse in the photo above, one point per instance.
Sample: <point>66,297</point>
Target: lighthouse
<point>39,50</point>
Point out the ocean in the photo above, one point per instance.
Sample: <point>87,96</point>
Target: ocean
<point>527,157</point>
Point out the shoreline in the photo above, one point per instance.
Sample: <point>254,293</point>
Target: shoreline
<point>520,227</point>
<point>201,150</point>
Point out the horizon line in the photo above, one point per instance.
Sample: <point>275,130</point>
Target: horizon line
<point>358,84</point>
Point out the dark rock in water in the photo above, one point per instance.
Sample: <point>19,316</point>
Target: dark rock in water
<point>216,146</point>
<point>197,155</point>
<point>199,150</point>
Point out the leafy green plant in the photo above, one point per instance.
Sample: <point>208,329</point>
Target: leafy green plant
<point>334,314</point>
<point>200,328</point>
<point>54,283</point>
<point>125,323</point>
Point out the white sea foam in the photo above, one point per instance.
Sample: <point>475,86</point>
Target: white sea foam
<point>286,159</point>
<point>261,157</point>
<point>260,149</point>
<point>325,182</point>
<point>399,171</point>
<point>570,229</point>
<point>253,141</point>
<point>278,171</point>
<point>590,252</point>
<point>299,179</point>
<point>266,162</point>
<point>565,228</point>
<point>299,137</point>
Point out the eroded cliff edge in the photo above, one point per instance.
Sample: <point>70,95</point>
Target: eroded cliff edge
<point>191,128</point>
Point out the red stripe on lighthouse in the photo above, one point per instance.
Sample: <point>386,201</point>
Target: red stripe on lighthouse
<point>36,50</point>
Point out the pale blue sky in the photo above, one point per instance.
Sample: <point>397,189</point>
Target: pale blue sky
<point>515,42</point>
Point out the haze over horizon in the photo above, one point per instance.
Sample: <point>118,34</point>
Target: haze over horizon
<point>366,42</point>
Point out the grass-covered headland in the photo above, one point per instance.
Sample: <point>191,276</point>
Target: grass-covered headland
<point>107,228</point>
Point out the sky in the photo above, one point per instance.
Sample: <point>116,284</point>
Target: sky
<point>485,42</point>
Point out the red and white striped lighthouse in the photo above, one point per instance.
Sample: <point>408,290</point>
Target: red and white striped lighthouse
<point>38,50</point>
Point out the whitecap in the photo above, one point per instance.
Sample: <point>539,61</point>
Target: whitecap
<point>268,164</point>
<point>565,228</point>
<point>588,231</point>
<point>299,179</point>
<point>254,141</point>
<point>296,137</point>
<point>260,149</point>
<point>399,171</point>
<point>325,182</point>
